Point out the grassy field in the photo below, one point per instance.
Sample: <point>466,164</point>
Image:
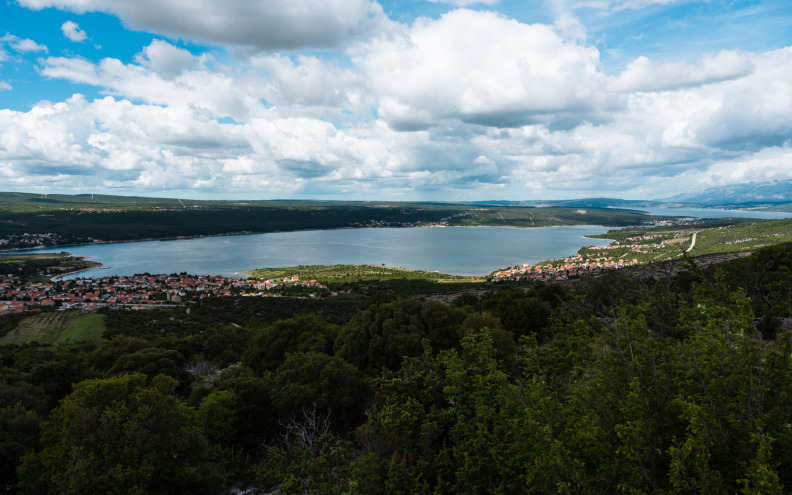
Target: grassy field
<point>743,237</point>
<point>355,273</point>
<point>27,203</point>
<point>721,236</point>
<point>56,328</point>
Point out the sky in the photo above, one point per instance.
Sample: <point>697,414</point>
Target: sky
<point>430,100</point>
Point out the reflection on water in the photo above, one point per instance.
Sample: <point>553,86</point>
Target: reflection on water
<point>454,250</point>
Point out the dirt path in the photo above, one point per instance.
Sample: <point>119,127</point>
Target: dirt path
<point>693,242</point>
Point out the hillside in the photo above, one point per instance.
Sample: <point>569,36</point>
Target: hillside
<point>348,395</point>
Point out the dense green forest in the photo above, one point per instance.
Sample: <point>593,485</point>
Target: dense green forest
<point>602,385</point>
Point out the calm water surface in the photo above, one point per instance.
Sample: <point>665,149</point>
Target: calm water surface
<point>454,250</point>
<point>716,213</point>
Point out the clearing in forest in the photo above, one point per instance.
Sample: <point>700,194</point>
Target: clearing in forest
<point>56,328</point>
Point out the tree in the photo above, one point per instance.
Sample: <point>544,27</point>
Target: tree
<point>19,433</point>
<point>312,379</point>
<point>121,435</point>
<point>154,361</point>
<point>269,347</point>
<point>381,335</point>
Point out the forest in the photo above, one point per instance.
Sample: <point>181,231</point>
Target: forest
<point>611,384</point>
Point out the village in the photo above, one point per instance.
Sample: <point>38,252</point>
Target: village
<point>589,261</point>
<point>147,291</point>
<point>138,291</point>
<point>571,267</point>
<point>32,241</point>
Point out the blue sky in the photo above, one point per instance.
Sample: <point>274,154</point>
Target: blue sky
<point>399,100</point>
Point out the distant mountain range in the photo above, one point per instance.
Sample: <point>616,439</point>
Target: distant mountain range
<point>751,193</point>
<point>576,203</point>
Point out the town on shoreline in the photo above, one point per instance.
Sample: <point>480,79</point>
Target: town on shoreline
<point>146,291</point>
<point>628,248</point>
<point>139,291</point>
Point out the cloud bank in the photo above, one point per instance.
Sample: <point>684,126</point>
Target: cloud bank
<point>469,105</point>
<point>271,24</point>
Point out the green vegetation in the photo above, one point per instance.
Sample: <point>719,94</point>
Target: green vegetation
<point>82,328</point>
<point>37,203</point>
<point>680,383</point>
<point>41,267</point>
<point>624,233</point>
<point>340,274</point>
<point>56,328</point>
<point>742,237</point>
<point>123,434</point>
<point>715,236</point>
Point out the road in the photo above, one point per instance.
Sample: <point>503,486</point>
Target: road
<point>693,242</point>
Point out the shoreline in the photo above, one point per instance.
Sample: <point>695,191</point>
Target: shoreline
<point>99,266</point>
<point>248,272</point>
<point>146,239</point>
<point>247,232</point>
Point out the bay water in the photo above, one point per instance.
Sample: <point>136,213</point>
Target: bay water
<point>452,250</point>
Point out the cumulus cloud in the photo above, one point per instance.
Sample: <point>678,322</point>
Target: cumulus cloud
<point>274,24</point>
<point>644,75</point>
<point>165,59</point>
<point>19,45</point>
<point>28,45</point>
<point>72,31</point>
<point>4,86</point>
<point>471,104</point>
<point>311,81</point>
<point>480,67</point>
<point>273,84</point>
<point>213,92</point>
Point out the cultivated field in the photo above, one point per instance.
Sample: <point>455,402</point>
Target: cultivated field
<point>56,328</point>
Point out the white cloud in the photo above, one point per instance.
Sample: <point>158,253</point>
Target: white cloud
<point>28,45</point>
<point>73,69</point>
<point>165,59</point>
<point>645,75</point>
<point>470,105</point>
<point>72,31</point>
<point>271,85</point>
<point>610,5</point>
<point>310,81</point>
<point>4,86</point>
<point>272,24</point>
<point>19,45</point>
<point>466,3</point>
<point>480,67</point>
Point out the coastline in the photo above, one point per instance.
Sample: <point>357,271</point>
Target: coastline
<point>228,269</point>
<point>99,266</point>
<point>146,239</point>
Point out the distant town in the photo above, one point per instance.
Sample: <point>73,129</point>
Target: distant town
<point>138,291</point>
<point>590,261</point>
